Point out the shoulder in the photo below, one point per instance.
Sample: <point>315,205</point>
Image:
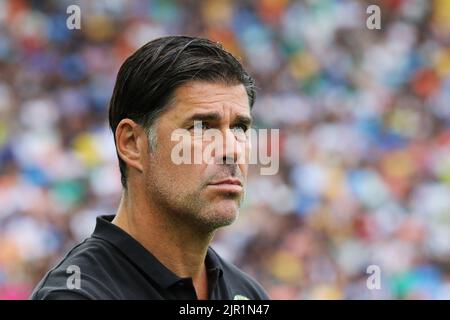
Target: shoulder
<point>241,282</point>
<point>82,274</point>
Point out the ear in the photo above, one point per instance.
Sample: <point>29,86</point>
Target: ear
<point>129,143</point>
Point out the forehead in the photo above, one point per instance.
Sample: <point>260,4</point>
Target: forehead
<point>204,96</point>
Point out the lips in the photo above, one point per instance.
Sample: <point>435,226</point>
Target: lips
<point>229,185</point>
<point>229,181</point>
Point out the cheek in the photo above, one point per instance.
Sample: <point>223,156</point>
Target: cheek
<point>247,149</point>
<point>184,173</point>
<point>244,169</point>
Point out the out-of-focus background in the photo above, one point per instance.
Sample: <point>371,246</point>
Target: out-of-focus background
<point>364,118</point>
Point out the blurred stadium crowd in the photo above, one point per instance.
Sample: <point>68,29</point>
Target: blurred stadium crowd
<point>364,119</point>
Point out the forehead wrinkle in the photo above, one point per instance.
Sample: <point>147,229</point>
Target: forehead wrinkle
<point>197,98</point>
<point>197,93</point>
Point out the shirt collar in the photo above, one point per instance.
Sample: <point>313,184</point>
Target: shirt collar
<point>141,257</point>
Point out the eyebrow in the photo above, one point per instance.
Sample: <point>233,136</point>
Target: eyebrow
<point>244,119</point>
<point>215,116</point>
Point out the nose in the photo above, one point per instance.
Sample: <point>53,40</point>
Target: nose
<point>232,151</point>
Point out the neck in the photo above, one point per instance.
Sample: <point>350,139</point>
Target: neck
<point>161,233</point>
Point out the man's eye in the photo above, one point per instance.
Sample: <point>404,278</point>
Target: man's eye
<point>199,125</point>
<point>240,128</point>
<point>240,132</point>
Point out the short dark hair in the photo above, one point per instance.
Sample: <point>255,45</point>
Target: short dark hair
<point>148,78</point>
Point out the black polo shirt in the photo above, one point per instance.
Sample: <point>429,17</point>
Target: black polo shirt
<point>113,265</point>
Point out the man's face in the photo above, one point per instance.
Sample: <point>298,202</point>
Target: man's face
<point>206,194</point>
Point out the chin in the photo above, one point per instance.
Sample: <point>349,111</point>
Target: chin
<point>222,214</point>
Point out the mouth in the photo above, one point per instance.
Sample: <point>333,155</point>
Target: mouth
<point>229,185</point>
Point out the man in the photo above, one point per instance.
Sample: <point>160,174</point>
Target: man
<point>157,244</point>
